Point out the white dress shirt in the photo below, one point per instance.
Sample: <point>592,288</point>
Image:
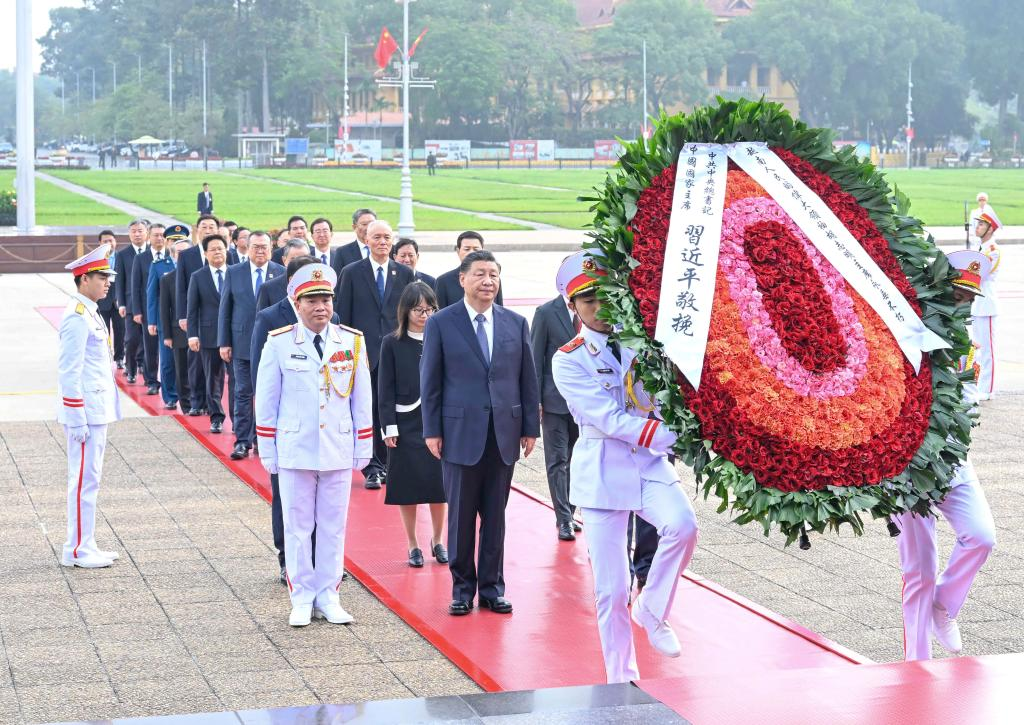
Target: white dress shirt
<point>223,275</point>
<point>384,272</point>
<point>488,324</point>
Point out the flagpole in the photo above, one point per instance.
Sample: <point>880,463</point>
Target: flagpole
<point>25,118</point>
<point>406,225</point>
<point>344,132</point>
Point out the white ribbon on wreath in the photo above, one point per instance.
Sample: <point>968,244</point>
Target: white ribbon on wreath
<point>694,237</point>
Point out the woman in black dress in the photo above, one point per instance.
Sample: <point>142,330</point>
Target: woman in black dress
<point>414,475</point>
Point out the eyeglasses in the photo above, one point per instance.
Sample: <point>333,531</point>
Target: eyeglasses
<point>424,311</point>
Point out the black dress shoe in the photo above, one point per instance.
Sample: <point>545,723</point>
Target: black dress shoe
<point>152,389</point>
<point>241,451</point>
<point>284,576</point>
<point>216,427</point>
<point>170,406</point>
<point>130,379</point>
<point>577,526</point>
<point>460,607</point>
<point>193,412</point>
<point>204,411</point>
<point>373,481</point>
<point>119,364</point>
<point>565,532</point>
<point>416,558</point>
<point>440,554</point>
<point>499,605</point>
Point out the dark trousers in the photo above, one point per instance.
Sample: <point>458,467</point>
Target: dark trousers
<point>277,522</point>
<point>115,324</point>
<point>197,379</point>
<point>475,491</point>
<point>560,433</point>
<point>242,422</point>
<point>180,355</point>
<point>377,464</point>
<point>150,354</point>
<point>168,374</point>
<point>213,370</point>
<point>134,357</point>
<point>645,544</point>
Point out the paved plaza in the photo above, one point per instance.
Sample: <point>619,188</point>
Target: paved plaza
<point>193,619</point>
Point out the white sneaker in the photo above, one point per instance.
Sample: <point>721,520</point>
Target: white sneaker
<point>659,634</point>
<point>300,615</point>
<point>112,555</point>
<point>86,561</point>
<point>333,613</point>
<point>946,630</point>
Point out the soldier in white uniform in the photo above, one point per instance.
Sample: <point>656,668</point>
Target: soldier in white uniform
<point>931,602</point>
<point>619,465</point>
<point>315,423</point>
<point>985,306</point>
<point>89,402</point>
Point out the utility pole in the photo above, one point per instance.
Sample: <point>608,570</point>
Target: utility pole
<point>344,123</point>
<point>643,126</point>
<point>25,186</point>
<point>139,56</point>
<point>62,95</point>
<point>93,71</point>
<point>910,109</point>
<point>114,63</point>
<point>170,88</point>
<point>406,226</point>
<point>204,106</point>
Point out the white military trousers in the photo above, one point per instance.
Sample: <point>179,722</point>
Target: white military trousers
<point>667,508</point>
<point>320,499</point>
<point>85,467</point>
<point>983,334</point>
<point>967,511</point>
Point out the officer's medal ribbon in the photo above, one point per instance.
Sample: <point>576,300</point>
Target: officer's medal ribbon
<point>342,366</point>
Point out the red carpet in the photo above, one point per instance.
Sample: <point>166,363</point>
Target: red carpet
<point>958,690</point>
<point>551,640</point>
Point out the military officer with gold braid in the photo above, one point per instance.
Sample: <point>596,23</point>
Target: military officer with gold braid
<point>314,424</point>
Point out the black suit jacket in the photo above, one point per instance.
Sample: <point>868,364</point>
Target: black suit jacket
<point>359,306</point>
<point>188,262</point>
<point>140,276</point>
<point>449,291</point>
<point>272,292</point>
<point>124,263</point>
<point>277,315</point>
<point>203,307</point>
<point>168,311</point>
<point>462,396</point>
<point>552,327</point>
<point>109,303</point>
<point>202,206</point>
<point>238,307</point>
<point>278,254</point>
<point>426,278</point>
<point>346,255</point>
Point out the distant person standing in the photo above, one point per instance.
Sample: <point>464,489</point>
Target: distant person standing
<point>448,289</point>
<point>173,338</point>
<point>140,303</point>
<point>204,200</point>
<point>124,263</point>
<point>985,307</point>
<point>188,262</point>
<point>414,475</point>
<point>982,208</point>
<point>323,232</point>
<point>204,293</point>
<point>356,249</point>
<point>108,307</point>
<point>480,408</point>
<point>406,251</point>
<point>88,403</point>
<point>163,263</point>
<point>297,229</point>
<point>431,163</point>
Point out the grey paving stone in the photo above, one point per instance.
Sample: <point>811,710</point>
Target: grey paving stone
<point>170,694</point>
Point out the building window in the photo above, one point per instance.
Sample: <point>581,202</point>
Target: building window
<point>738,72</point>
<point>764,76</point>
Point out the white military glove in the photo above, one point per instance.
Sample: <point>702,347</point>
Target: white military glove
<point>270,464</point>
<point>79,433</point>
<point>360,463</point>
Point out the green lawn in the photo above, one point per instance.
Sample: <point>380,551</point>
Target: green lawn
<point>937,195</point>
<point>57,207</point>
<point>254,202</point>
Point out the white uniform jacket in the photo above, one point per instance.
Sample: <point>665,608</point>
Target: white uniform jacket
<point>619,443</point>
<point>85,381</point>
<point>312,414</point>
<point>987,304</point>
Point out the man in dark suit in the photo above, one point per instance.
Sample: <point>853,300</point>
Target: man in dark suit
<point>553,326</point>
<point>296,230</point>
<point>448,287</point>
<point>188,262</point>
<point>280,314</point>
<point>107,307</point>
<point>356,249</point>
<point>204,200</point>
<point>203,309</point>
<point>277,289</point>
<point>367,299</point>
<point>174,338</point>
<point>140,305</point>
<point>406,251</point>
<point>480,406</point>
<point>322,231</point>
<point>234,330</point>
<point>124,263</point>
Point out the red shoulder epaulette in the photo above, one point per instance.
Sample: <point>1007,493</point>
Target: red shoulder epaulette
<point>572,344</point>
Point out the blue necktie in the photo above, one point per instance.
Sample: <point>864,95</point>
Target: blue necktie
<point>220,278</point>
<point>323,259</point>
<point>259,281</point>
<point>380,283</point>
<point>481,338</point>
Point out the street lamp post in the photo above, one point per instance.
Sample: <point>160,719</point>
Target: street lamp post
<point>25,118</point>
<point>114,63</point>
<point>204,107</point>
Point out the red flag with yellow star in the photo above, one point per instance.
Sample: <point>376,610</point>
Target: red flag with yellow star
<point>386,47</point>
<point>416,43</point>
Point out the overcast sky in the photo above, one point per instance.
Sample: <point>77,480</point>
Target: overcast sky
<point>40,24</point>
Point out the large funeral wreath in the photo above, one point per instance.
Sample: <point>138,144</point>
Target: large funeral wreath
<point>808,415</point>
